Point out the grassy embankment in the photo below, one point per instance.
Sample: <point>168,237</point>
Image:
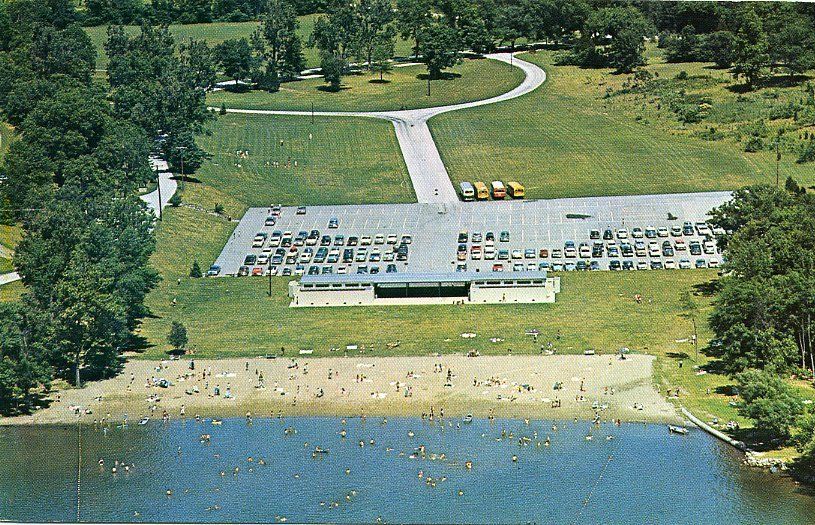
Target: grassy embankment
<point>404,88</point>
<point>9,237</point>
<point>567,139</point>
<point>217,32</point>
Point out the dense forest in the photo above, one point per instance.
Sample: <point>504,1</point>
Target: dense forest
<point>71,180</point>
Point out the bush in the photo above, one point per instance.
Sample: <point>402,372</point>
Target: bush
<point>177,337</point>
<point>753,144</point>
<point>682,75</point>
<point>807,153</point>
<point>223,109</point>
<point>195,271</point>
<point>175,201</point>
<point>219,208</point>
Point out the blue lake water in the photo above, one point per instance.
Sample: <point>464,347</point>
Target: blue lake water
<point>642,475</point>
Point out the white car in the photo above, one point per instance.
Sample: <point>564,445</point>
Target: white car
<point>642,265</point>
<point>670,264</point>
<point>713,263</point>
<point>662,232</point>
<point>622,233</point>
<point>637,233</point>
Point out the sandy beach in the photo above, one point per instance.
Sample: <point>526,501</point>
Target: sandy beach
<point>450,385</point>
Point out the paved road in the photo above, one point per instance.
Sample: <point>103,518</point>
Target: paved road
<point>167,184</point>
<point>429,176</point>
<point>7,278</point>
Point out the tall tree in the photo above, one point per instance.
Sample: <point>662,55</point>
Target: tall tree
<point>374,23</point>
<point>412,16</point>
<point>440,48</point>
<point>235,58</point>
<point>751,56</point>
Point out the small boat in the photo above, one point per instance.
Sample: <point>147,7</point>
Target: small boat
<point>216,421</point>
<point>320,450</point>
<point>677,430</point>
<point>144,420</point>
<point>468,418</point>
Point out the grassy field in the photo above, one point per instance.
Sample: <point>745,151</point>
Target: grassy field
<point>11,292</point>
<point>568,139</point>
<point>405,88</point>
<point>331,167</point>
<point>10,235</point>
<point>217,32</point>
<point>5,265</point>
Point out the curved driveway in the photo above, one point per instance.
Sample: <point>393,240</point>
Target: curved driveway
<point>428,174</point>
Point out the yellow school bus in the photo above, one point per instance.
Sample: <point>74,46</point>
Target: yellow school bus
<point>516,191</point>
<point>481,191</point>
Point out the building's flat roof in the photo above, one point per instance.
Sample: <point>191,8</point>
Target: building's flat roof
<point>421,277</point>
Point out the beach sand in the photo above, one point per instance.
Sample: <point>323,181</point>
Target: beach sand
<point>505,386</point>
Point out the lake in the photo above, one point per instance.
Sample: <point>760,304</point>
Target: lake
<point>414,471</point>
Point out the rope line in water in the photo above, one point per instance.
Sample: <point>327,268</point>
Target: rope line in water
<point>593,488</point>
<point>79,470</point>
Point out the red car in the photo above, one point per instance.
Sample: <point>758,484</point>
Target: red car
<point>497,267</point>
<point>257,270</point>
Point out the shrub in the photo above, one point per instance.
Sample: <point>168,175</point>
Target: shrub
<point>219,208</point>
<point>753,144</point>
<point>175,201</point>
<point>807,153</point>
<point>195,271</point>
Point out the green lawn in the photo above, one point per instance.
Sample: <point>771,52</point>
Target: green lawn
<point>11,292</point>
<point>346,161</point>
<point>567,140</point>
<point>5,265</point>
<point>217,32</point>
<point>10,235</point>
<point>405,87</point>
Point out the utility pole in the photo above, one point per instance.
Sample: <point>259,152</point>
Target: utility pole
<point>428,84</point>
<point>182,149</point>
<point>777,158</point>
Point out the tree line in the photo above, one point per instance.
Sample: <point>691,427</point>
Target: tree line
<point>164,12</point>
<point>70,179</point>
<point>764,308</point>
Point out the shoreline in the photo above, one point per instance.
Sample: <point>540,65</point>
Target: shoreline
<point>449,385</point>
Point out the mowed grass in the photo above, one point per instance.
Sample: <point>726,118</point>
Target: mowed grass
<point>404,88</point>
<point>235,317</point>
<point>339,161</point>
<point>10,235</point>
<point>217,32</point>
<point>567,140</point>
<point>5,265</point>
<point>11,292</point>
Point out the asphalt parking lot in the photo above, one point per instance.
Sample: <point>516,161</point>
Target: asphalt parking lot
<point>434,230</point>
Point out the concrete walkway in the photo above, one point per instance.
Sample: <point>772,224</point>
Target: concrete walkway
<point>166,183</point>
<point>428,173</point>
